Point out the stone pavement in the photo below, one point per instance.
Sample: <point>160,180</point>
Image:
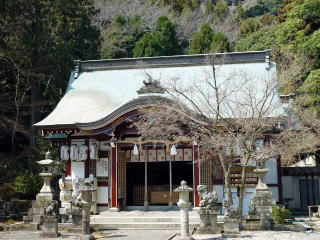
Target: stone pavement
<point>164,235</point>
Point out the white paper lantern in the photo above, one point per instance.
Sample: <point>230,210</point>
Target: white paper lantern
<point>64,152</point>
<point>83,155</point>
<point>93,151</point>
<point>74,152</point>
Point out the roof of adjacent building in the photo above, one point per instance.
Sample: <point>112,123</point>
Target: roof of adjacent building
<point>99,91</point>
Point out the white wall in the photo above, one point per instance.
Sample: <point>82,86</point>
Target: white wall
<point>77,169</point>
<point>102,195</point>
<point>272,176</point>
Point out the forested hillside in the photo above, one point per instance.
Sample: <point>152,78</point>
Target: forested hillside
<point>39,40</point>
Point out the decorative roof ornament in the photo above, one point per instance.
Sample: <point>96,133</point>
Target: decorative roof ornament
<point>151,86</point>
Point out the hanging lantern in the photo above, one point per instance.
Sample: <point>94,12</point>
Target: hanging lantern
<point>135,150</point>
<point>83,152</point>
<point>64,152</point>
<point>74,152</point>
<point>93,151</point>
<point>173,150</point>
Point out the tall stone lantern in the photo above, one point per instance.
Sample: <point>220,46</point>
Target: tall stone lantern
<point>184,204</point>
<point>48,172</point>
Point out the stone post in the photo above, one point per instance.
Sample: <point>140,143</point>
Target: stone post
<point>49,228</point>
<point>86,199</point>
<point>184,206</point>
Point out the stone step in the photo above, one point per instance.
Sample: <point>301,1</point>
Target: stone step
<point>130,219</point>
<point>143,225</point>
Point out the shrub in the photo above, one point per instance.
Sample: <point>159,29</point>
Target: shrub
<point>279,214</point>
<point>7,191</point>
<point>27,185</point>
<point>221,9</point>
<point>248,26</point>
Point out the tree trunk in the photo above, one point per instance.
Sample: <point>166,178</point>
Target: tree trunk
<point>242,187</point>
<point>227,184</point>
<point>34,113</point>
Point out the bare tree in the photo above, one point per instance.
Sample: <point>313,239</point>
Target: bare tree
<point>224,109</point>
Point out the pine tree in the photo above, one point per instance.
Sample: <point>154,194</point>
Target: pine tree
<point>161,42</point>
<point>220,43</point>
<point>201,41</point>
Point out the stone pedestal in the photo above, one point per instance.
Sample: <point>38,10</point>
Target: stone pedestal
<point>76,223</point>
<point>262,201</point>
<point>208,222</point>
<point>231,227</point>
<point>207,211</point>
<point>49,228</point>
<point>184,206</point>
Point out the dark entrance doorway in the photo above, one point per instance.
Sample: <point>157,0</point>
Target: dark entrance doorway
<point>158,181</point>
<point>309,193</point>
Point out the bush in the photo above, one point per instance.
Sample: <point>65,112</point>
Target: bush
<point>221,9</point>
<point>27,185</point>
<point>7,191</point>
<point>248,26</point>
<point>279,214</point>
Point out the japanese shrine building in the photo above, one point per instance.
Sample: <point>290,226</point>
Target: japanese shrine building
<point>90,125</point>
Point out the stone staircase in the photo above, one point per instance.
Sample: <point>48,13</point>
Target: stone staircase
<point>137,219</point>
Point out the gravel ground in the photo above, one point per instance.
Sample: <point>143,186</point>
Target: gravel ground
<point>165,234</point>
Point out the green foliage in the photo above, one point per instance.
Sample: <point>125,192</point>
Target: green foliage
<point>221,9</point>
<point>220,43</point>
<point>279,214</point>
<point>248,26</point>
<point>120,37</point>
<point>27,185</point>
<point>265,6</point>
<point>163,41</point>
<point>7,192</point>
<point>263,39</point>
<point>206,41</point>
<point>181,5</point>
<point>202,40</point>
<point>241,14</point>
<point>310,90</point>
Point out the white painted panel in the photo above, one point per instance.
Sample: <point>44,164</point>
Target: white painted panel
<point>102,167</point>
<point>219,191</point>
<point>102,195</point>
<point>77,169</point>
<point>272,176</point>
<point>275,193</point>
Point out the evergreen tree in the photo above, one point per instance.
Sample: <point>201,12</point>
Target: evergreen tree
<point>206,41</point>
<point>201,41</point>
<point>161,42</point>
<point>220,43</point>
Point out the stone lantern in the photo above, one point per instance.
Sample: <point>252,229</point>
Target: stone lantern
<point>184,204</point>
<point>83,201</point>
<point>262,201</point>
<point>48,172</point>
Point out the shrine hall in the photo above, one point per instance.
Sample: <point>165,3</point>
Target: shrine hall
<point>91,126</point>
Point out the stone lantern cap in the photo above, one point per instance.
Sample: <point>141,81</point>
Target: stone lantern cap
<point>183,187</point>
<point>47,161</point>
<point>87,187</point>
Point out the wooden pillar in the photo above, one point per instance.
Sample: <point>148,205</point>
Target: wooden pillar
<point>313,191</point>
<point>196,174</point>
<point>86,164</point>
<point>170,182</point>
<point>114,190</point>
<point>307,186</point>
<point>146,203</point>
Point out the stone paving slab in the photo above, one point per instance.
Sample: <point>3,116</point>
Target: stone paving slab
<point>165,235</point>
<point>264,235</point>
